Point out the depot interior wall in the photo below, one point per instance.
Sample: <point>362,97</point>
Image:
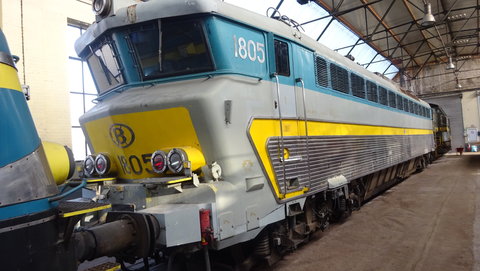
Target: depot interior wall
<point>436,80</point>
<point>41,44</point>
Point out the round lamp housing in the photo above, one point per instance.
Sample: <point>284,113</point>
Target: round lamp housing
<point>159,162</point>
<point>177,158</point>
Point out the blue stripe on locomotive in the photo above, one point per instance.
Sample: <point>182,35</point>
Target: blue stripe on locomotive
<point>26,208</point>
<point>224,36</point>
<point>3,43</point>
<point>224,40</point>
<point>18,136</point>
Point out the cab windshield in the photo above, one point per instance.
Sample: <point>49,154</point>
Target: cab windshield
<point>166,48</point>
<point>105,67</point>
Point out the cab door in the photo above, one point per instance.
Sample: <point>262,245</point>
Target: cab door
<point>284,70</point>
<point>291,163</point>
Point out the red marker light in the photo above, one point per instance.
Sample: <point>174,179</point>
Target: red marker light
<point>102,164</point>
<point>158,162</point>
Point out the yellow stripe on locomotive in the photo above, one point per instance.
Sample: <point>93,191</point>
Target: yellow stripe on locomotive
<point>261,130</point>
<point>9,78</point>
<point>130,139</point>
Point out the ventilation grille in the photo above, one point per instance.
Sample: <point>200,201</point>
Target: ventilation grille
<point>372,92</point>
<point>382,95</point>
<point>358,85</point>
<point>321,72</point>
<point>339,78</point>
<point>350,156</point>
<point>399,102</point>
<point>392,99</point>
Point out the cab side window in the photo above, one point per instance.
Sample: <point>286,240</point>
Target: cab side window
<point>282,61</point>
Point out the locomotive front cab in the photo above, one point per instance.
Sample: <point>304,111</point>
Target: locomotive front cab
<point>152,50</point>
<point>159,60</point>
<point>140,56</point>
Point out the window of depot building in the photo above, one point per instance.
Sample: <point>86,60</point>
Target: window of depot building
<point>81,90</point>
<point>168,48</point>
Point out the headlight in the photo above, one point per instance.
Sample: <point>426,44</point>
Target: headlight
<point>89,166</point>
<point>101,7</point>
<point>176,159</point>
<point>159,162</point>
<point>103,165</point>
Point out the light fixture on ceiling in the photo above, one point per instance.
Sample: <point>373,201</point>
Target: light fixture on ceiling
<point>458,83</point>
<point>457,17</point>
<point>428,18</point>
<point>450,65</point>
<point>461,41</point>
<point>464,57</point>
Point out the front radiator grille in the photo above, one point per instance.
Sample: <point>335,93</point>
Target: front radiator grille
<point>329,156</point>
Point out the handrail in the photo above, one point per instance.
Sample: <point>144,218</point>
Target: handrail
<point>282,148</point>
<point>306,128</point>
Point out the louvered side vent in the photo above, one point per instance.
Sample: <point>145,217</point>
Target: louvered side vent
<point>358,85</point>
<point>399,102</point>
<point>382,95</point>
<point>392,99</point>
<point>372,92</point>
<point>350,156</point>
<point>321,73</point>
<point>339,78</point>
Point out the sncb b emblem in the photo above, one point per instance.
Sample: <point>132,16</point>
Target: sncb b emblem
<point>121,135</point>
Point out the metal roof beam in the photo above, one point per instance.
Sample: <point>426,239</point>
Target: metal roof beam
<point>330,22</point>
<point>394,36</point>
<point>399,25</point>
<point>346,23</point>
<point>372,61</point>
<point>276,9</point>
<point>410,43</point>
<point>465,23</point>
<point>380,22</point>
<point>325,29</point>
<point>423,66</point>
<point>403,24</point>
<point>335,12</point>
<point>400,43</point>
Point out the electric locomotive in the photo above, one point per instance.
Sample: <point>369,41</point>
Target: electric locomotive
<point>441,127</point>
<point>228,126</point>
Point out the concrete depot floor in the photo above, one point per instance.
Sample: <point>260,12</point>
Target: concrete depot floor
<point>431,221</point>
